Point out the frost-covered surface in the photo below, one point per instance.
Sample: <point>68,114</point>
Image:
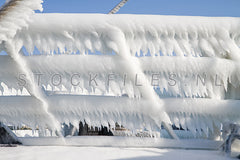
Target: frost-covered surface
<point>188,71</point>
<point>201,114</point>
<point>116,141</point>
<point>14,15</point>
<point>187,46</point>
<point>75,153</point>
<point>129,44</point>
<point>185,36</point>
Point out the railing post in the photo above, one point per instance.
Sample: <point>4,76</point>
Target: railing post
<point>233,134</point>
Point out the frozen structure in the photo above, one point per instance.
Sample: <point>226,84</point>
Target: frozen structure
<point>144,72</point>
<point>7,136</point>
<point>232,132</point>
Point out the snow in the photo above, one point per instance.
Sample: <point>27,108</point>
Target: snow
<point>205,114</point>
<point>185,36</point>
<point>129,44</point>
<point>223,72</point>
<point>118,141</point>
<point>15,15</point>
<point>105,153</point>
<point>196,42</point>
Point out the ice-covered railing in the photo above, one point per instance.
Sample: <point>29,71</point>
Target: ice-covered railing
<point>161,37</point>
<point>168,47</point>
<point>184,36</point>
<point>205,115</point>
<point>179,76</point>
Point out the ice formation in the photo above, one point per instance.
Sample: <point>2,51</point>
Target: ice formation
<point>147,70</point>
<point>14,15</point>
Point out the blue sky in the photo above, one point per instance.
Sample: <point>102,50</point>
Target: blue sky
<point>162,7</point>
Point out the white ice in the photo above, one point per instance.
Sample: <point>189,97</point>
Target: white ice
<point>142,44</point>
